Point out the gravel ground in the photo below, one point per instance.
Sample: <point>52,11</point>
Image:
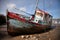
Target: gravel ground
<point>53,34</point>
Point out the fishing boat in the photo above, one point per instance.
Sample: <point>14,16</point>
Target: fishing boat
<point>21,24</point>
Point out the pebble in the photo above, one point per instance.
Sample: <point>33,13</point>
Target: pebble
<point>49,38</point>
<point>31,36</point>
<point>27,36</point>
<point>26,39</point>
<point>36,39</point>
<point>22,36</point>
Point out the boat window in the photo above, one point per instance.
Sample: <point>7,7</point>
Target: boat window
<point>39,14</point>
<point>36,20</point>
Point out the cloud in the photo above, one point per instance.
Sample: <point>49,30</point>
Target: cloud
<point>23,8</point>
<point>11,5</point>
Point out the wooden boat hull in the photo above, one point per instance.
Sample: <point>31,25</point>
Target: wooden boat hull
<point>17,25</point>
<point>31,28</point>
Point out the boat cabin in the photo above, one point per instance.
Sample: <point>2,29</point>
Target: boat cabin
<point>42,17</point>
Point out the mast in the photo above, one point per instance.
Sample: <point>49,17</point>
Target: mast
<point>36,6</point>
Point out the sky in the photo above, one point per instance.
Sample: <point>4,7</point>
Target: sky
<point>50,6</point>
